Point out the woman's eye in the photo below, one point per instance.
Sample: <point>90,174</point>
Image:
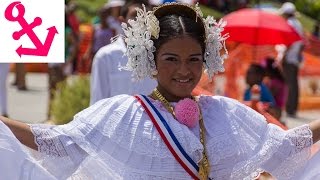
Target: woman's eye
<point>195,59</point>
<point>171,59</point>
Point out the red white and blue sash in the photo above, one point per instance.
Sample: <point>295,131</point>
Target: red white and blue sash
<point>169,138</point>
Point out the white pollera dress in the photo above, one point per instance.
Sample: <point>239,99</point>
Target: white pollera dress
<point>115,139</point>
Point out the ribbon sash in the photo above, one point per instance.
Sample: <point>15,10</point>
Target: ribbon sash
<point>169,138</point>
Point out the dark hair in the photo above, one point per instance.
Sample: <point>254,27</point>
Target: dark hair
<point>273,71</point>
<point>177,21</point>
<point>256,69</point>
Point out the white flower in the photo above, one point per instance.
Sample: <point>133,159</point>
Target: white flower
<point>140,47</point>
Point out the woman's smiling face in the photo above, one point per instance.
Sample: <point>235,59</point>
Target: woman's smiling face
<point>179,63</point>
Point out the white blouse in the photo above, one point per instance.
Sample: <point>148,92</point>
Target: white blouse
<point>115,139</point>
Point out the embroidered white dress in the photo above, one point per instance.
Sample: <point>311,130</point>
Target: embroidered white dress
<point>115,139</point>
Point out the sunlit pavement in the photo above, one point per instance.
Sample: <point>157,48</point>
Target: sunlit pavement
<point>29,106</point>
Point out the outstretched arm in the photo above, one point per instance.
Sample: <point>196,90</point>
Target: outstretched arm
<point>22,132</point>
<point>315,128</point>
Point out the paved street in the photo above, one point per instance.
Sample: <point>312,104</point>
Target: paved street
<point>31,106</point>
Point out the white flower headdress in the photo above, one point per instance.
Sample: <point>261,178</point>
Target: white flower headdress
<point>140,47</point>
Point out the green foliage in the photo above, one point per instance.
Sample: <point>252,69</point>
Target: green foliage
<point>71,96</point>
<point>307,22</point>
<point>87,9</point>
<point>309,7</point>
<point>207,11</point>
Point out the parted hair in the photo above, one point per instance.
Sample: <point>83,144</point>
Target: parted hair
<point>177,21</point>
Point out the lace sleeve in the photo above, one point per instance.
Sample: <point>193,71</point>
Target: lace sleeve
<point>47,140</point>
<point>63,149</point>
<point>293,152</point>
<point>248,145</point>
<point>276,151</point>
<point>281,153</point>
<point>57,152</point>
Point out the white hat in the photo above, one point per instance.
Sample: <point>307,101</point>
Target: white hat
<point>288,8</point>
<point>114,3</point>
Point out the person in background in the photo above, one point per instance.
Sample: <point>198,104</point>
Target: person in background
<point>84,58</point>
<point>292,59</point>
<point>255,75</point>
<point>72,17</point>
<point>4,71</point>
<point>274,80</point>
<point>106,78</point>
<point>74,23</point>
<point>113,21</point>
<point>20,76</point>
<point>102,33</point>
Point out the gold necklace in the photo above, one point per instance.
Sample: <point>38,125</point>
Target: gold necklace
<point>204,166</point>
<point>157,95</point>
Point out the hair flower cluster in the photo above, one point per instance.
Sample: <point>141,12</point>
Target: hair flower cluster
<point>140,47</point>
<point>214,43</point>
<point>187,112</point>
<point>153,26</point>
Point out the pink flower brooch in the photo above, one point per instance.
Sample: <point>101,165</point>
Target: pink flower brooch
<point>187,112</point>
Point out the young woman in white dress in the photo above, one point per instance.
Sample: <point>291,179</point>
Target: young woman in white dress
<point>167,134</point>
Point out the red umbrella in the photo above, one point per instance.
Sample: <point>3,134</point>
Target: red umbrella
<point>259,27</point>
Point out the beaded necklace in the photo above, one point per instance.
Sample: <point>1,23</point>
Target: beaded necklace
<point>204,166</point>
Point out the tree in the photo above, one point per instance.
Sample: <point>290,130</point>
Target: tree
<point>309,7</point>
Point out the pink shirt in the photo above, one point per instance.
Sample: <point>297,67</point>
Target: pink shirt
<point>279,91</point>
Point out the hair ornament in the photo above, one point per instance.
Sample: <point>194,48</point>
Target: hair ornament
<point>214,43</point>
<point>197,10</point>
<point>140,47</point>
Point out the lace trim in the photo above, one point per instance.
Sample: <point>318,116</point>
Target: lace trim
<point>46,141</point>
<point>292,152</point>
<point>301,138</point>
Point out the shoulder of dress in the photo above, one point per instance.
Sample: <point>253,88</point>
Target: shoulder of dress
<point>112,102</point>
<point>218,100</point>
<point>227,108</point>
<point>118,99</point>
<point>110,108</point>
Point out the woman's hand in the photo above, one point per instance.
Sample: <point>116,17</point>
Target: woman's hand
<point>315,128</point>
<point>22,132</point>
